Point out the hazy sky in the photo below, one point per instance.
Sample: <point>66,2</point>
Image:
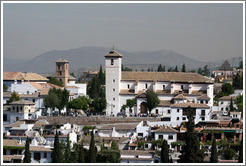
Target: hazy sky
<point>200,31</point>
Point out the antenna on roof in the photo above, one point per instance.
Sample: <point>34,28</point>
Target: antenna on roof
<point>113,46</point>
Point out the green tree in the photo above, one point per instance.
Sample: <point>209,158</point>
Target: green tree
<point>176,69</point>
<point>164,152</point>
<point>92,149</point>
<point>51,100</point>
<point>5,88</point>
<point>27,158</point>
<point>14,97</point>
<point>81,153</point>
<point>114,146</point>
<point>237,81</point>
<point>231,106</point>
<point>62,148</point>
<point>199,71</point>
<point>191,152</point>
<point>152,100</point>
<point>239,102</point>
<point>55,81</point>
<point>101,76</point>
<point>130,103</point>
<point>93,87</point>
<point>214,153</point>
<point>164,68</point>
<point>227,89</point>
<point>75,153</point>
<point>67,153</point>
<point>240,157</point>
<point>229,153</point>
<point>183,68</point>
<point>57,154</point>
<point>240,65</point>
<point>99,104</point>
<point>160,69</point>
<point>81,102</point>
<point>206,71</point>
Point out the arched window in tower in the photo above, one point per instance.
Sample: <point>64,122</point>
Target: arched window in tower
<point>66,66</point>
<point>59,67</point>
<point>112,61</point>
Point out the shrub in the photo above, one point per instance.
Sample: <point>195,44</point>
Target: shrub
<point>229,153</point>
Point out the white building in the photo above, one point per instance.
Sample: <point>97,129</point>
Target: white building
<point>76,89</point>
<point>172,88</point>
<point>41,154</point>
<point>166,133</point>
<point>224,104</point>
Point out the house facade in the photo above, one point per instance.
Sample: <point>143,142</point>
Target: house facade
<point>172,88</point>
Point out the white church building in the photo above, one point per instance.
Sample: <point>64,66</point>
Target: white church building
<point>176,91</point>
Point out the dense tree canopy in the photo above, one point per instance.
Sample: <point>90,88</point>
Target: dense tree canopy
<point>81,102</point>
<point>227,89</point>
<point>55,81</point>
<point>130,103</point>
<point>14,97</point>
<point>152,100</point>
<point>99,104</point>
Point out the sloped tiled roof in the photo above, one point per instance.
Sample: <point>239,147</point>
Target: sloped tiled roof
<point>228,98</point>
<point>62,60</point>
<point>22,102</point>
<point>126,91</point>
<point>40,149</point>
<point>165,76</point>
<point>164,103</point>
<point>119,127</point>
<point>203,97</point>
<point>40,123</point>
<point>23,76</point>
<point>166,130</point>
<point>12,142</point>
<point>192,105</point>
<point>180,97</point>
<point>137,152</point>
<point>12,157</point>
<point>113,53</point>
<point>16,124</point>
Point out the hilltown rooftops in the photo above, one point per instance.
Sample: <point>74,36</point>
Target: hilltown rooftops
<point>9,158</point>
<point>180,97</point>
<point>203,97</point>
<point>228,98</point>
<point>113,53</point>
<point>165,103</point>
<point>192,105</point>
<point>165,130</point>
<point>8,95</point>
<point>40,149</point>
<point>122,126</point>
<point>166,76</point>
<point>22,102</point>
<point>23,76</point>
<point>12,142</point>
<point>62,60</point>
<point>137,152</point>
<point>16,124</point>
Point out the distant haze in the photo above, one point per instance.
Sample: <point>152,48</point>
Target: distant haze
<point>204,32</point>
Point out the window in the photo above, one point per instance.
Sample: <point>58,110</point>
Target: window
<point>36,156</point>
<point>13,108</point>
<point>140,134</point>
<point>177,118</point>
<point>169,111</point>
<point>166,119</point>
<point>156,111</point>
<point>227,109</point>
<point>160,136</point>
<point>112,62</point>
<point>222,109</point>
<point>146,86</point>
<point>222,102</point>
<point>203,118</point>
<point>45,155</point>
<point>60,79</point>
<point>27,92</point>
<point>206,102</point>
<point>182,87</point>
<point>5,117</point>
<point>146,146</point>
<point>114,99</point>
<point>201,101</point>
<point>16,118</point>
<point>113,89</point>
<point>113,80</point>
<point>17,109</point>
<point>29,110</point>
<point>128,86</point>
<point>203,112</point>
<point>177,110</point>
<point>21,108</point>
<point>184,118</point>
<point>33,100</point>
<point>170,137</point>
<point>163,87</point>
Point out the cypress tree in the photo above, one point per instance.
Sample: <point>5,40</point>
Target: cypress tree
<point>231,105</point>
<point>159,68</point>
<point>75,154</point>
<point>27,158</point>
<point>92,149</point>
<point>57,151</point>
<point>183,68</point>
<point>67,154</point>
<point>191,152</point>
<point>81,153</point>
<point>214,153</point>
<point>176,69</point>
<point>164,68</point>
<point>164,152</point>
<point>240,157</point>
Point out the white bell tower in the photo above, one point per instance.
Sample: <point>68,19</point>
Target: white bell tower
<point>113,76</point>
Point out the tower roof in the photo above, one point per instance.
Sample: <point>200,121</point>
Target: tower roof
<point>62,60</point>
<point>225,66</point>
<point>113,54</point>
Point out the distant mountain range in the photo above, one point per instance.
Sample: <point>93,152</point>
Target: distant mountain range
<point>86,58</point>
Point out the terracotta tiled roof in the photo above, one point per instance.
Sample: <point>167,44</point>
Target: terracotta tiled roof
<point>36,85</point>
<point>192,105</point>
<point>113,53</point>
<point>165,76</point>
<point>22,102</point>
<point>119,127</point>
<point>40,149</point>
<point>11,157</point>
<point>16,124</point>
<point>40,123</point>
<point>164,103</point>
<point>228,98</point>
<point>8,95</point>
<point>137,152</point>
<point>235,113</point>
<point>142,95</point>
<point>12,142</point>
<point>71,78</point>
<point>195,92</point>
<point>203,97</point>
<point>180,97</point>
<point>126,91</point>
<point>62,60</point>
<point>23,76</point>
<point>166,130</point>
<point>162,92</point>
